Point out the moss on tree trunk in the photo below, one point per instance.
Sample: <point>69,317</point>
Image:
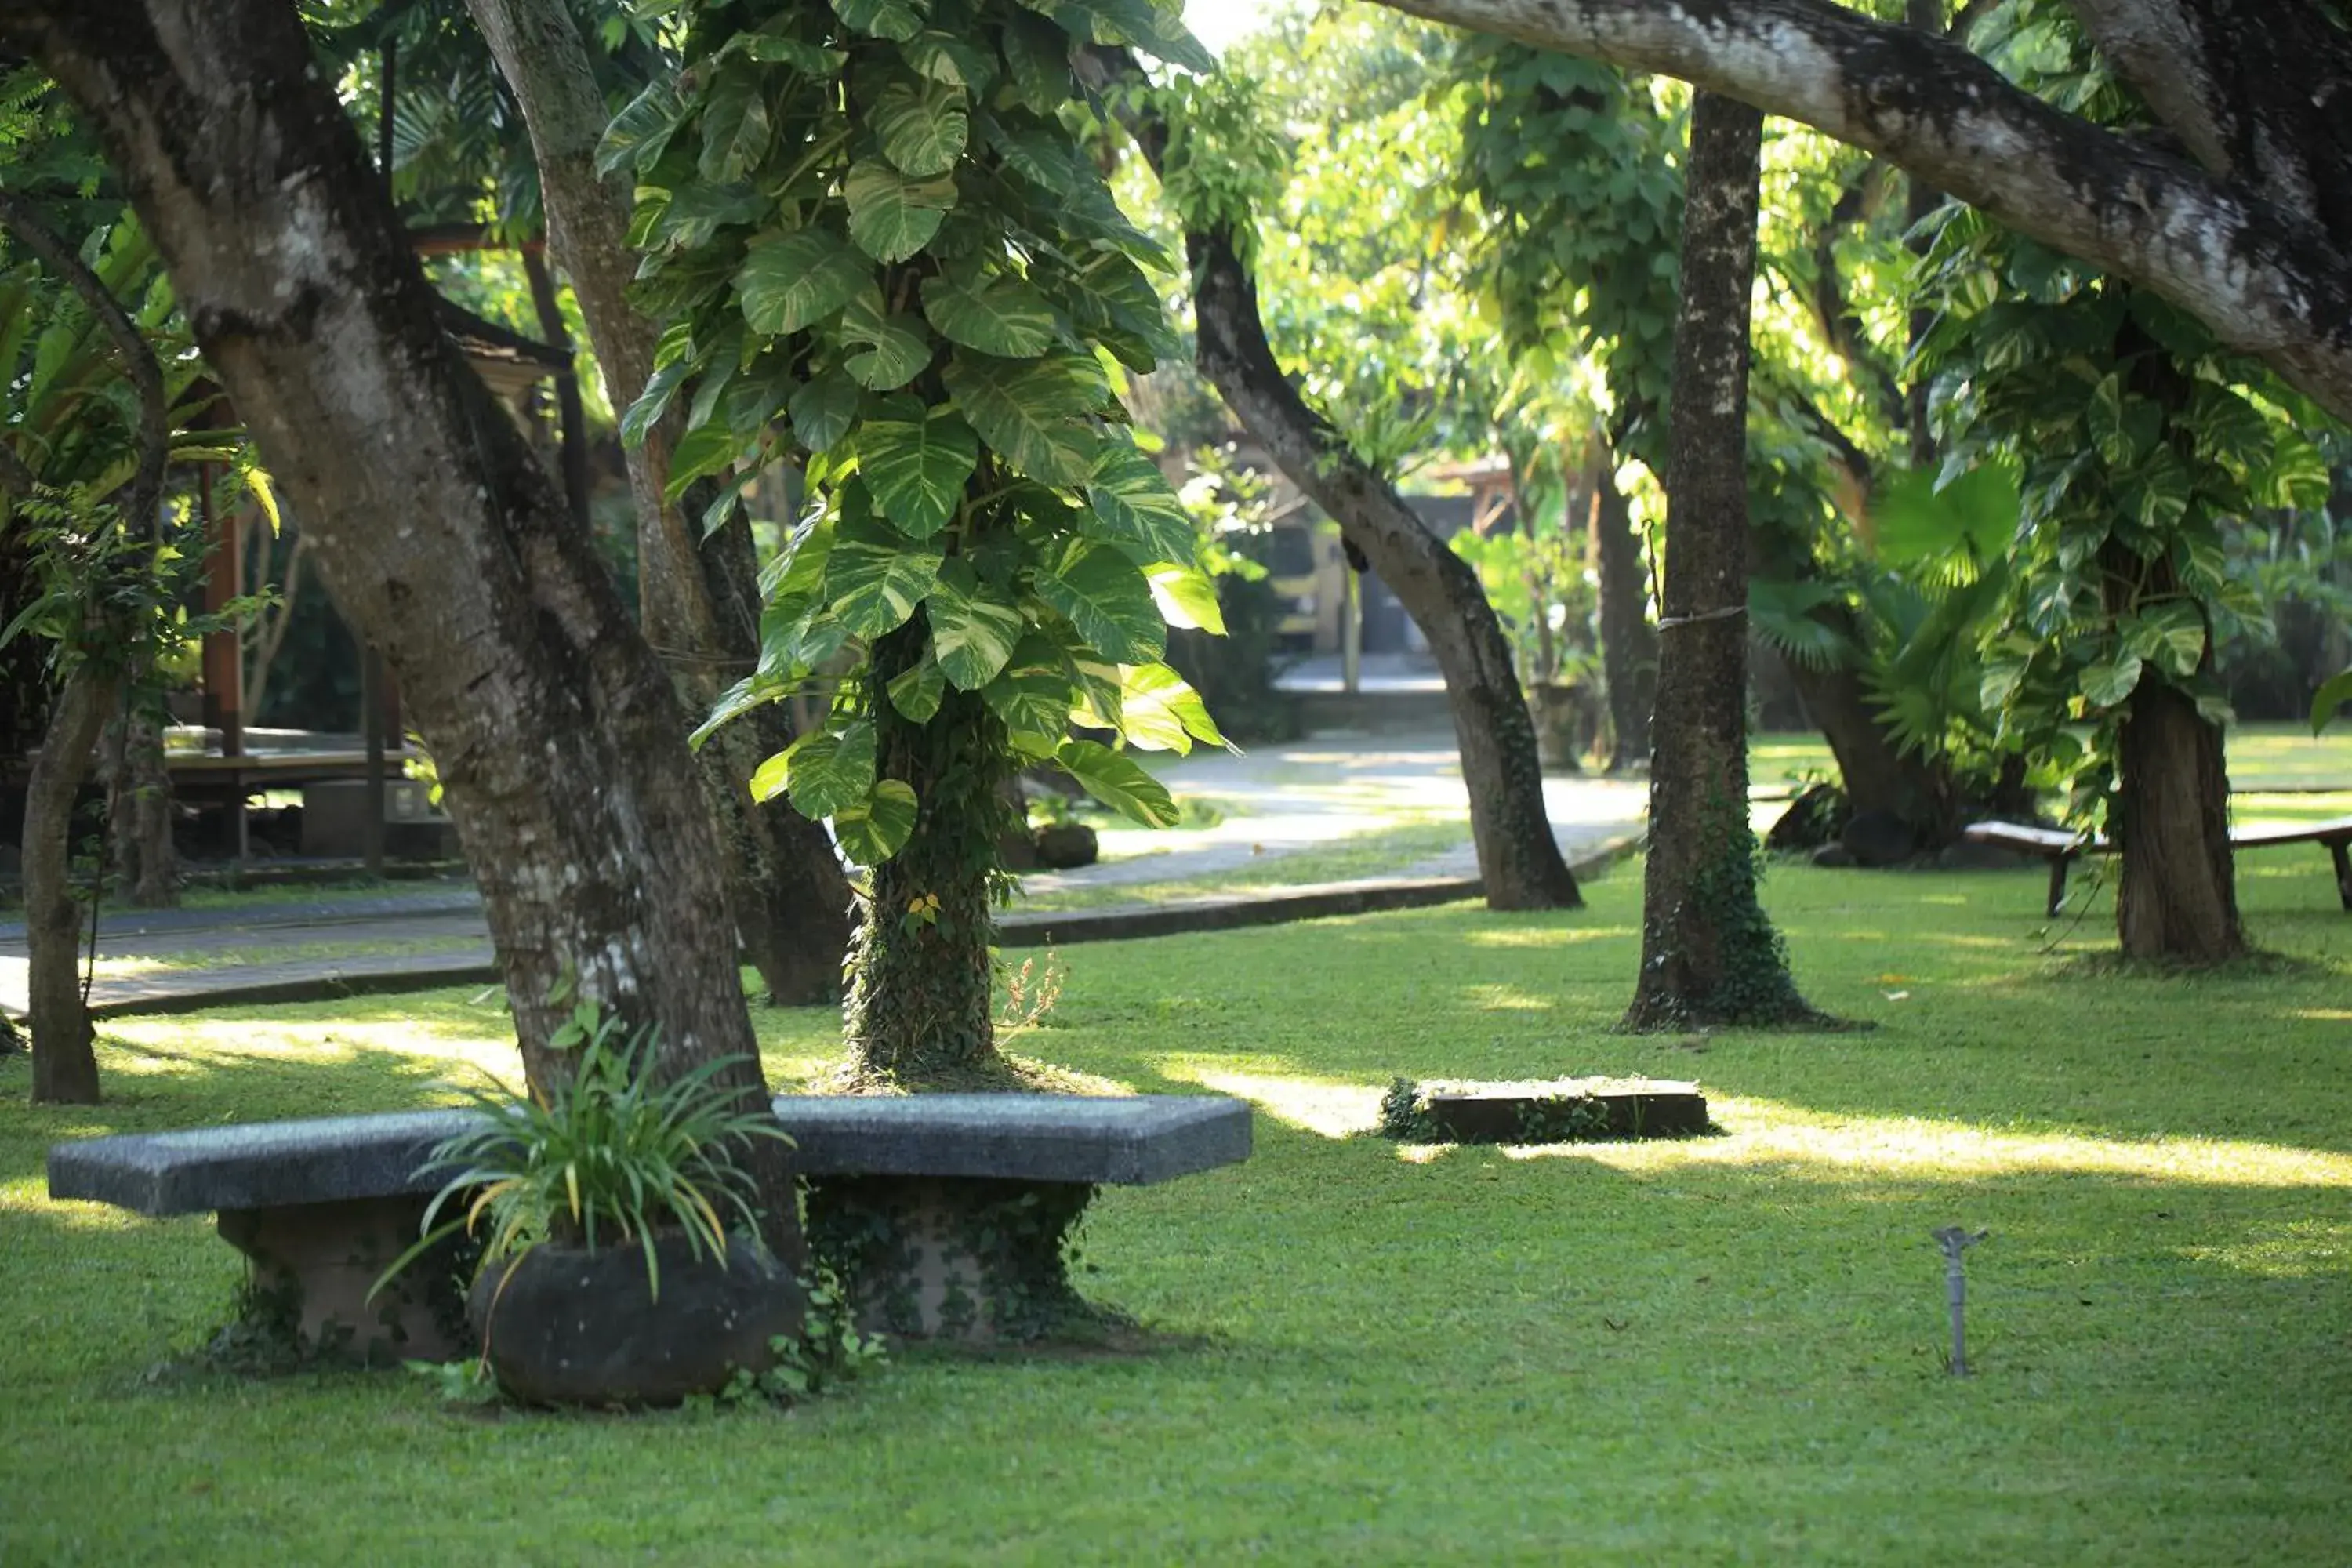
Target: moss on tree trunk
<point>1710,955</point>
<point>919,981</point>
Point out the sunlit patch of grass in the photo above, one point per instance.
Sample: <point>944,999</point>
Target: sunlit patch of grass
<point>1325,1107</point>
<point>1559,937</point>
<point>1505,998</point>
<point>1768,1132</point>
<point>2286,1249</point>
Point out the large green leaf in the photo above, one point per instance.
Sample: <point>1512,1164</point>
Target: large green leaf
<point>1119,782</point>
<point>1159,712</point>
<point>1186,598</point>
<point>895,349</point>
<point>975,627</point>
<point>2332,694</point>
<point>798,569</point>
<point>755,399</point>
<point>1029,412</point>
<point>944,56</point>
<point>791,281</point>
<point>697,212</point>
<point>1148,28</point>
<point>1915,519</point>
<point>896,20</point>
<point>879,825</point>
<point>892,215</point>
<point>2171,636</point>
<point>917,692</point>
<point>1033,695</point>
<point>736,127</point>
<point>775,49</point>
<point>1136,508</point>
<point>2108,684</point>
<point>924,125</point>
<point>1038,56</point>
<point>1100,684</point>
<point>830,771</point>
<point>1107,597</point>
<point>751,692</point>
<point>703,450</point>
<point>876,577</point>
<point>1002,316</point>
<point>823,411</point>
<point>917,461</point>
<point>1037,153</point>
<point>654,401</point>
<point>641,133</point>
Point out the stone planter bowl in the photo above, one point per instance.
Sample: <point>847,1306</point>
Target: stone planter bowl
<point>560,1325</point>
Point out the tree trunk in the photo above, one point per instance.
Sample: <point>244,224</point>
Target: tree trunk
<point>1710,955</point>
<point>1629,642</point>
<point>1518,858</point>
<point>920,997</point>
<point>698,602</point>
<point>560,741</point>
<point>65,1069</point>
<point>2178,900</point>
<point>146,865</point>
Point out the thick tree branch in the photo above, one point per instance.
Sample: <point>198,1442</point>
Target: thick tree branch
<point>1517,857</point>
<point>2260,91</point>
<point>2266,278</point>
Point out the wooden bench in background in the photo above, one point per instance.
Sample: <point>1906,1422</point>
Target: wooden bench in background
<point>2060,848</point>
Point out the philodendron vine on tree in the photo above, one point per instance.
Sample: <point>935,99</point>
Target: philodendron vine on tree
<point>883,254</point>
<point>2136,438</point>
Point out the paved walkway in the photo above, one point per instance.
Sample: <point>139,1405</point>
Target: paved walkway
<point>1281,801</point>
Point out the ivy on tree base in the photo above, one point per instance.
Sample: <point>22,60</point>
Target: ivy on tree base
<point>966,1259</point>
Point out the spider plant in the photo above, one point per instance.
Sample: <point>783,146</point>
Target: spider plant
<point>611,1158</point>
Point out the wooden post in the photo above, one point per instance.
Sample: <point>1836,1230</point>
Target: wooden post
<point>1351,632</point>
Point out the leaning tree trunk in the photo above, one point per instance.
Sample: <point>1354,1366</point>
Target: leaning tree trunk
<point>1710,955</point>
<point>1518,858</point>
<point>1629,644</point>
<point>65,1069</point>
<point>920,996</point>
<point>559,741</point>
<point>697,598</point>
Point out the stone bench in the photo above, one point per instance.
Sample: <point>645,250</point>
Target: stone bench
<point>945,1215</point>
<point>2061,848</point>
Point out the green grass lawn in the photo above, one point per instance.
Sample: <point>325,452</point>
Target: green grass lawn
<point>1726,1350</point>
<point>2260,757</point>
<point>1382,852</point>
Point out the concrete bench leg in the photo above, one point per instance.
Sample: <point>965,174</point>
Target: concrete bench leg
<point>968,1259</point>
<point>317,1262</point>
<point>2059,865</point>
<point>2341,853</point>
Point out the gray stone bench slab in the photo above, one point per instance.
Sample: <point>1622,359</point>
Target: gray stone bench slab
<point>322,1206</point>
<point>1129,1140</point>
